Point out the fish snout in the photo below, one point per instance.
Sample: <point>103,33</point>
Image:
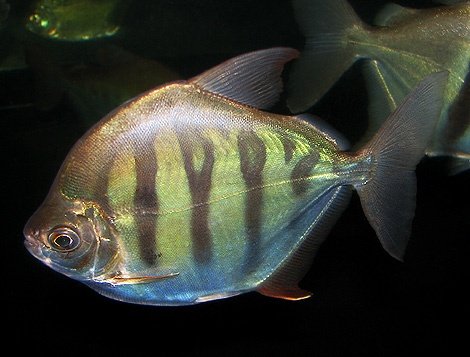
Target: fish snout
<point>32,240</point>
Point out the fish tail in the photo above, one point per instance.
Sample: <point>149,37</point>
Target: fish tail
<point>330,28</point>
<point>388,196</point>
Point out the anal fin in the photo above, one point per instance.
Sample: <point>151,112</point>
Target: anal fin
<point>217,296</point>
<point>312,226</point>
<point>291,293</point>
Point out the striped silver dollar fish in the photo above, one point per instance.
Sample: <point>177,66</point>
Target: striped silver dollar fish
<point>189,193</point>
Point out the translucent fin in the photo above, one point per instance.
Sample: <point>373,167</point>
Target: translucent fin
<point>286,293</point>
<point>327,52</point>
<point>253,78</point>
<point>388,198</point>
<point>283,283</point>
<point>453,132</point>
<point>217,296</point>
<point>459,165</point>
<point>393,13</point>
<point>123,280</point>
<point>326,128</point>
<point>386,90</point>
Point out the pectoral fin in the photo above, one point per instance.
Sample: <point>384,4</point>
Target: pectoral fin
<point>123,279</point>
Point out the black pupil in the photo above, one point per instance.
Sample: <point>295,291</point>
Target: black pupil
<point>63,241</point>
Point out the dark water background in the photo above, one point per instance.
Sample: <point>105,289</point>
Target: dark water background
<point>364,303</point>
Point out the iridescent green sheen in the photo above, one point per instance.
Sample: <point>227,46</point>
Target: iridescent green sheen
<point>76,20</point>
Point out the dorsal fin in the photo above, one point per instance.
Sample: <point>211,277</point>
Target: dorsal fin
<point>253,78</point>
<point>393,13</point>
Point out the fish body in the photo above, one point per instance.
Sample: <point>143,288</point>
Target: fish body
<point>76,20</point>
<point>404,46</point>
<point>190,193</point>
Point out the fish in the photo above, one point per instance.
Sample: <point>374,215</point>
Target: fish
<point>193,191</point>
<point>401,48</point>
<point>76,20</point>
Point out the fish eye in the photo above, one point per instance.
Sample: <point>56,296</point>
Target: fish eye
<point>64,239</point>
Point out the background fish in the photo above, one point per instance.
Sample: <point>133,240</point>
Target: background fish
<point>188,193</point>
<point>109,77</point>
<point>405,46</point>
<point>76,20</point>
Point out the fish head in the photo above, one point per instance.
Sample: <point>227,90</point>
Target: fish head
<point>73,238</point>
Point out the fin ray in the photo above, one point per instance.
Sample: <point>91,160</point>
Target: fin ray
<point>123,279</point>
<point>327,53</point>
<point>392,13</point>
<point>253,78</point>
<point>388,198</point>
<point>283,282</point>
<point>385,92</point>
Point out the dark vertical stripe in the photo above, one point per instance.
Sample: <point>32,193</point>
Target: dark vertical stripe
<point>200,183</point>
<point>100,190</point>
<point>252,161</point>
<point>145,201</point>
<point>289,148</point>
<point>302,170</point>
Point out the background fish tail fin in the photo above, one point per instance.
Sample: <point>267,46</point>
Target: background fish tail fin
<point>327,53</point>
<point>388,198</point>
<point>386,90</point>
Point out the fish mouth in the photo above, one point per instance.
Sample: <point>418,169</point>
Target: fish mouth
<point>41,251</point>
<point>33,244</point>
<point>34,247</point>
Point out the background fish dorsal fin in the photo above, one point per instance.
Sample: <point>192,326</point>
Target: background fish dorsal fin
<point>253,78</point>
<point>393,13</point>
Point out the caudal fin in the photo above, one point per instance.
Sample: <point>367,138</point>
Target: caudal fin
<point>388,198</point>
<point>328,51</point>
